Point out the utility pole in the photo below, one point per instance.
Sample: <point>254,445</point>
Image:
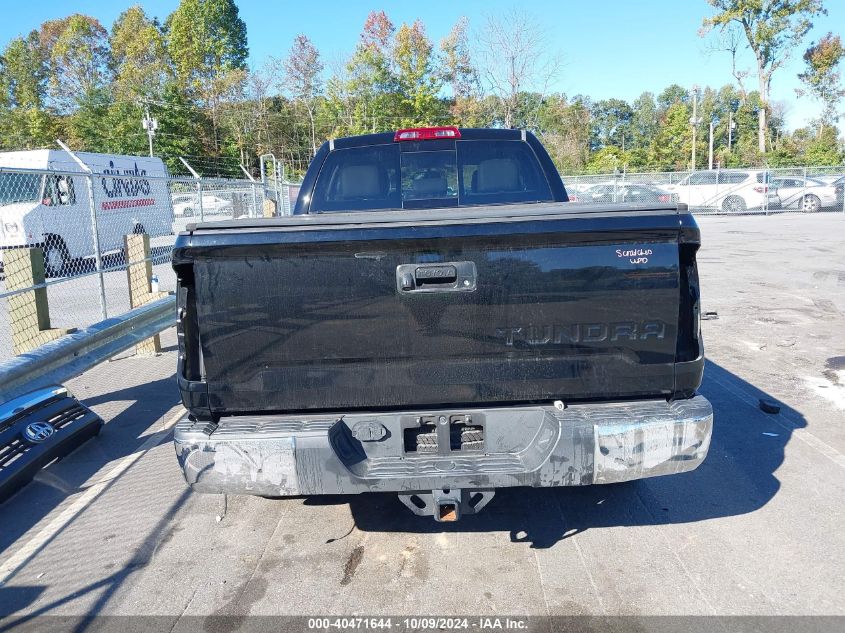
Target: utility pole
<point>694,121</point>
<point>150,125</point>
<point>710,157</point>
<point>730,128</point>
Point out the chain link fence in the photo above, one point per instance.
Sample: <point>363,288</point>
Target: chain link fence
<point>78,220</point>
<point>706,192</point>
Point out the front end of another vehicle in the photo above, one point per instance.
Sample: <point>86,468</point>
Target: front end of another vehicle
<point>20,221</point>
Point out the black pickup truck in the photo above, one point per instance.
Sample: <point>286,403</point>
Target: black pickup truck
<point>436,319</point>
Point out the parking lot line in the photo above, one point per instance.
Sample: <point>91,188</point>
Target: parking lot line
<point>34,545</point>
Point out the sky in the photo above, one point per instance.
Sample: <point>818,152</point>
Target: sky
<point>614,48</point>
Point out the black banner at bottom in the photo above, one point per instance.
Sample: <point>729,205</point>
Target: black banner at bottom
<point>423,623</point>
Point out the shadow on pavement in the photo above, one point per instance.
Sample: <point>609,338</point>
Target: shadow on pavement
<point>16,599</point>
<point>119,437</point>
<point>736,478</point>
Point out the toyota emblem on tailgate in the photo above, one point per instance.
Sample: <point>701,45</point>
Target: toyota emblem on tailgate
<point>37,432</point>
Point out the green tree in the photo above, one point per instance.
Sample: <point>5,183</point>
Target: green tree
<point>23,75</point>
<point>461,75</point>
<point>139,56</point>
<point>564,126</point>
<point>746,148</point>
<point>822,77</point>
<point>418,82</point>
<point>207,42</point>
<point>393,79</point>
<point>339,105</point>
<point>824,148</point>
<point>671,146</point>
<point>304,81</point>
<point>76,50</point>
<point>722,108</point>
<point>371,76</point>
<point>141,68</point>
<point>611,123</point>
<point>206,38</point>
<point>79,77</point>
<point>607,160</point>
<point>671,95</point>
<point>85,128</point>
<point>643,121</point>
<point>772,28</point>
<point>180,127</point>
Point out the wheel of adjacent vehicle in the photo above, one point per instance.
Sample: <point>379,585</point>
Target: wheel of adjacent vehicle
<point>56,256</point>
<point>734,204</point>
<point>810,203</point>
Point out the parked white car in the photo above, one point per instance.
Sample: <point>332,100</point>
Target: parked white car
<point>732,191</point>
<point>45,201</point>
<point>827,179</point>
<point>807,194</point>
<point>187,205</point>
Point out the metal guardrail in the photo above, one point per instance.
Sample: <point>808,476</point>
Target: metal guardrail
<point>62,359</point>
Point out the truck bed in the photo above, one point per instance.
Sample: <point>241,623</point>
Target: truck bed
<point>406,309</point>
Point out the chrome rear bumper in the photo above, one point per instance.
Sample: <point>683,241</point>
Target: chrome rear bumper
<point>540,446</point>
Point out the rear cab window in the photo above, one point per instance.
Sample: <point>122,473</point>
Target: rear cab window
<point>429,174</point>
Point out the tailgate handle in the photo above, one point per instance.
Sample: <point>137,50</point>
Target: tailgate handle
<point>440,277</point>
<point>440,274</point>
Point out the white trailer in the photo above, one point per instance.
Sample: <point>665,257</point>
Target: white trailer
<point>45,201</point>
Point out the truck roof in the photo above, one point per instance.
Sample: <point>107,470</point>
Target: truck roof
<point>60,160</point>
<point>471,134</point>
<point>486,166</point>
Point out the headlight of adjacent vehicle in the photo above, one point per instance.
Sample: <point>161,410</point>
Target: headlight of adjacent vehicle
<point>12,227</point>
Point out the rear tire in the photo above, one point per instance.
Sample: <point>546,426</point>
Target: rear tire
<point>810,203</point>
<point>734,204</point>
<point>56,256</point>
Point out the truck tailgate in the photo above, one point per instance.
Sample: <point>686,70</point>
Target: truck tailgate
<point>387,310</point>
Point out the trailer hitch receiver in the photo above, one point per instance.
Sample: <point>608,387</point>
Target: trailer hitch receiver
<point>446,504</point>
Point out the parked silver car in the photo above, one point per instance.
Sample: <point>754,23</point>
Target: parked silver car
<point>731,191</point>
<point>188,205</point>
<point>806,194</point>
